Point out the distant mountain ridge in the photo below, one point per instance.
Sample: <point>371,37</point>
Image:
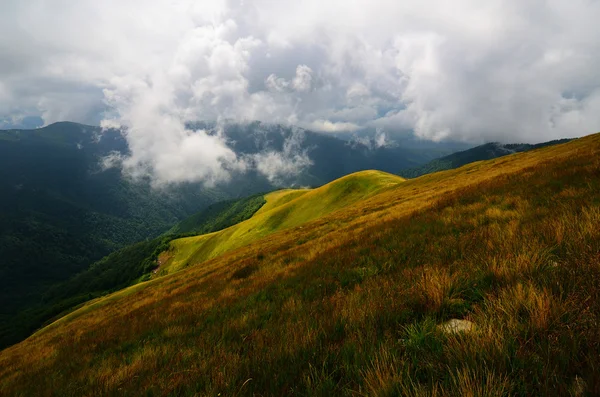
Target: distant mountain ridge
<point>330,157</point>
<point>487,151</point>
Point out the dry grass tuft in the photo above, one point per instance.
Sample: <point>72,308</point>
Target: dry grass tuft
<point>480,383</point>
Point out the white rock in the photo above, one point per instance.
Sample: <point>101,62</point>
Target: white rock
<point>456,326</point>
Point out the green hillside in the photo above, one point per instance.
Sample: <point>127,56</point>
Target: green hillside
<point>61,210</point>
<point>220,215</point>
<point>283,210</point>
<point>355,289</point>
<point>129,265</point>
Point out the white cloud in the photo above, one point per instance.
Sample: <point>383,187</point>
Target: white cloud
<point>276,84</point>
<point>303,79</point>
<point>301,82</point>
<point>328,126</point>
<point>505,70</point>
<point>380,138</point>
<point>281,166</point>
<point>377,141</point>
<point>112,160</point>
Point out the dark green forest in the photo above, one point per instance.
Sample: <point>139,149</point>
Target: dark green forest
<point>219,216</point>
<point>60,212</point>
<point>136,262</point>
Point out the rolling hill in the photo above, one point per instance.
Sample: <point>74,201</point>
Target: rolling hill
<point>283,210</point>
<point>138,262</point>
<point>346,290</point>
<point>61,211</point>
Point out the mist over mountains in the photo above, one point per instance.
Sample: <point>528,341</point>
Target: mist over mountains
<point>502,71</point>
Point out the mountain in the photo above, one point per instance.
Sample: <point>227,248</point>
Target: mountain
<point>284,209</point>
<point>484,152</point>
<point>136,262</point>
<point>330,157</point>
<point>220,215</point>
<point>61,211</point>
<point>481,280</point>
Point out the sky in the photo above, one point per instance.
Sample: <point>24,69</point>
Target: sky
<point>466,70</point>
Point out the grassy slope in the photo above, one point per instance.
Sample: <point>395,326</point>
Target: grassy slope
<point>487,151</point>
<point>348,303</point>
<point>283,210</point>
<point>134,263</point>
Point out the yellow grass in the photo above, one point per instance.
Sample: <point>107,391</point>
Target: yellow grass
<point>283,210</point>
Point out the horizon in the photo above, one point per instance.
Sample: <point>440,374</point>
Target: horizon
<point>466,72</point>
<point>368,134</point>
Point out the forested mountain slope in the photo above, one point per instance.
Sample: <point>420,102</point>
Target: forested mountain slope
<point>60,211</point>
<point>131,264</point>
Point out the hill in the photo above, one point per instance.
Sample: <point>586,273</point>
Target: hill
<point>61,211</point>
<point>138,262</point>
<point>220,215</point>
<point>283,210</point>
<point>133,263</point>
<point>484,152</point>
<point>353,301</point>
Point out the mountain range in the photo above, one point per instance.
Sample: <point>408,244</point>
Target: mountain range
<point>61,209</point>
<point>481,280</point>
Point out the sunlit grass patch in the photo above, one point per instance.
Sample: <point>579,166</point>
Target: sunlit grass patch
<point>283,210</point>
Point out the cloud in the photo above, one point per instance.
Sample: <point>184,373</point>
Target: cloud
<point>301,82</point>
<point>500,70</point>
<point>377,141</point>
<point>282,166</point>
<point>303,79</point>
<point>328,126</point>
